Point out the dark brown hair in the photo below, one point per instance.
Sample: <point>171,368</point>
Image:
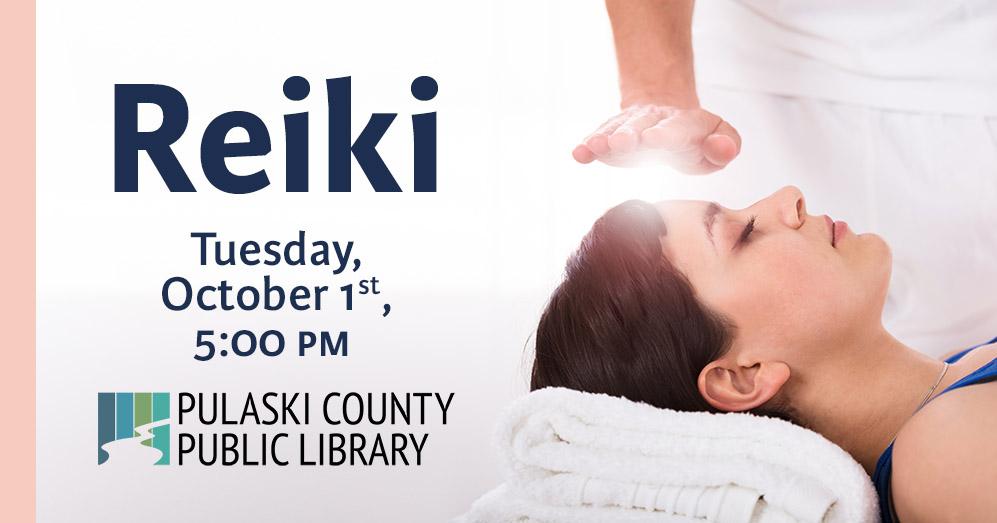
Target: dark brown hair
<point>625,321</point>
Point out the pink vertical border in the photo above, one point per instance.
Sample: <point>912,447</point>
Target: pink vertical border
<point>17,301</point>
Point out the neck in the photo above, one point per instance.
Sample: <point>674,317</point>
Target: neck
<point>860,403</point>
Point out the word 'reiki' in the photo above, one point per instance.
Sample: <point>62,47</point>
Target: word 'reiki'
<point>129,141</point>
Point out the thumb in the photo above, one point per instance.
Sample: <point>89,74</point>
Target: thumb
<point>723,145</point>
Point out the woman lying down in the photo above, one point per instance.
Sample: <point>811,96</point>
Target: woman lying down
<point>691,306</point>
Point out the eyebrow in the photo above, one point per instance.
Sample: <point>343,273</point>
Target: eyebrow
<point>709,218</point>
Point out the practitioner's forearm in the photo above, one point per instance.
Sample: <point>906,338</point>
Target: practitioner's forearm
<point>660,116</point>
<point>653,41</point>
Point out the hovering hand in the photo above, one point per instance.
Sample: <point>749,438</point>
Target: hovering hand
<point>693,141</point>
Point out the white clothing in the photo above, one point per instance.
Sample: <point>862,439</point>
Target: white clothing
<point>930,56</point>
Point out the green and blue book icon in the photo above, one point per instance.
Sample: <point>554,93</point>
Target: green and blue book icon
<point>141,415</point>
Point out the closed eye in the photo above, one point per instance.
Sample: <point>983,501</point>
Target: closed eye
<point>745,233</point>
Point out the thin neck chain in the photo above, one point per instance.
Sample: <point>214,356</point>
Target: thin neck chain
<point>927,396</point>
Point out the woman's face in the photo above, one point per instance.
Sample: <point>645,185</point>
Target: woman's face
<point>791,282</point>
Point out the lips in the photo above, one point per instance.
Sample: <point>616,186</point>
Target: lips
<point>837,230</point>
<point>840,230</point>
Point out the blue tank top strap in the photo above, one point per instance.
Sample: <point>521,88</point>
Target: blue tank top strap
<point>957,356</point>
<point>984,374</point>
<point>884,466</point>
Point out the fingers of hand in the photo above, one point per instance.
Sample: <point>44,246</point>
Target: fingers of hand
<point>684,130</point>
<point>583,154</point>
<point>619,135</point>
<point>598,141</point>
<point>626,137</point>
<point>692,141</point>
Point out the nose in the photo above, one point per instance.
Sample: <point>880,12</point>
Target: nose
<point>788,206</point>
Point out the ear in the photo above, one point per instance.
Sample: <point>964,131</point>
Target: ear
<point>730,387</point>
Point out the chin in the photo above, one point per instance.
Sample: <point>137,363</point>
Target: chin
<point>880,261</point>
<point>881,250</point>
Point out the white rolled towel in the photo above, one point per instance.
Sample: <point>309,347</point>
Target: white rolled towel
<point>574,456</point>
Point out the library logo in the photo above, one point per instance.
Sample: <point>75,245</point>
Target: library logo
<point>133,427</point>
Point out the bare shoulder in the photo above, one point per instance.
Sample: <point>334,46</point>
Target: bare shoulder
<point>945,459</point>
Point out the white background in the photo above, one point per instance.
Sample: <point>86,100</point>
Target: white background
<point>467,269</point>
